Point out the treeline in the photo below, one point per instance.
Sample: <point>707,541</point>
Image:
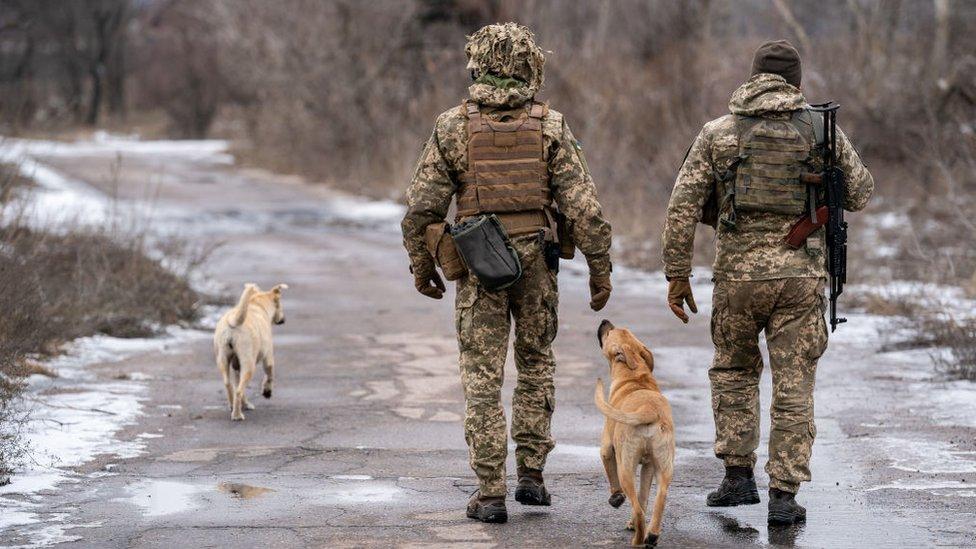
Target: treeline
<point>345,91</point>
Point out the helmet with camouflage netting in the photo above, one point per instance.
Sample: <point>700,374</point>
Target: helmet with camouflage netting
<point>506,50</point>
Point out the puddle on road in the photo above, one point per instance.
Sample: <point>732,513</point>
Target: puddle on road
<point>356,489</point>
<point>242,491</point>
<point>164,497</point>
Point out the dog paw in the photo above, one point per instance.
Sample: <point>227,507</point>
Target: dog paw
<point>616,499</point>
<point>237,417</point>
<point>267,393</point>
<point>630,525</point>
<point>650,540</point>
<point>248,406</point>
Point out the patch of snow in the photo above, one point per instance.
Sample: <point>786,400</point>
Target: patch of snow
<point>361,210</point>
<point>56,200</point>
<point>114,146</point>
<point>929,457</point>
<point>73,419</point>
<point>889,220</point>
<point>952,403</point>
<point>939,488</point>
<point>361,492</point>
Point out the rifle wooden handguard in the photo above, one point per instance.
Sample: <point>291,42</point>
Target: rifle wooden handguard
<point>804,227</point>
<point>811,178</point>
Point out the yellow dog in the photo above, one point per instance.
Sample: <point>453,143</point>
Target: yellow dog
<point>638,430</point>
<point>243,338</point>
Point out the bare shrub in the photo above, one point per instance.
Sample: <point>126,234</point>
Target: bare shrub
<point>79,281</point>
<point>958,339</point>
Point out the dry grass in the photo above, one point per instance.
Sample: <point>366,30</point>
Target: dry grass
<point>58,286</point>
<point>958,339</point>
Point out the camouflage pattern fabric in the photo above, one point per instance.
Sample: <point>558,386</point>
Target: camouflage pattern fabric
<point>754,250</point>
<point>791,311</point>
<point>484,318</point>
<point>504,51</point>
<point>483,324</point>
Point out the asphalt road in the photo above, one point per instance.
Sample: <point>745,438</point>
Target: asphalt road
<point>361,444</point>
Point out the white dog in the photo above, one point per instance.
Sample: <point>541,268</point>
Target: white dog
<point>243,338</point>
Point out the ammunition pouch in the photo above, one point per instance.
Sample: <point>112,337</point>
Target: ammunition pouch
<point>564,236</point>
<point>485,248</point>
<point>441,247</point>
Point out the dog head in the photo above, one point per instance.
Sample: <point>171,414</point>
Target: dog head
<point>628,357</point>
<point>279,311</point>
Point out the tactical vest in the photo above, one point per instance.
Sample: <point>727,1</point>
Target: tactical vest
<point>772,155</point>
<point>507,173</point>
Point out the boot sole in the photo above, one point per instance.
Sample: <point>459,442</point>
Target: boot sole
<point>785,518</point>
<point>528,498</point>
<point>495,517</point>
<point>742,497</point>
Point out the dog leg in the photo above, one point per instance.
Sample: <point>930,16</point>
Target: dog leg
<point>223,363</point>
<point>646,476</point>
<point>268,374</point>
<point>244,377</point>
<point>625,470</point>
<point>610,466</point>
<point>663,482</point>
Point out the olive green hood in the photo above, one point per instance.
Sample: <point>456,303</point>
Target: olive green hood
<point>766,93</point>
<point>506,64</point>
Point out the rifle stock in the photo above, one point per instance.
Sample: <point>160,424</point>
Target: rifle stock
<point>804,227</point>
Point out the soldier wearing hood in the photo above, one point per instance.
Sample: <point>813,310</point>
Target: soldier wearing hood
<point>502,152</point>
<point>747,164</point>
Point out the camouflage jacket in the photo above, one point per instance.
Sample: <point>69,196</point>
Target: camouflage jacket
<point>754,250</point>
<point>444,158</point>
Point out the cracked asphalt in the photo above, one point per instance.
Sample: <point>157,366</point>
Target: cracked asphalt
<point>361,444</point>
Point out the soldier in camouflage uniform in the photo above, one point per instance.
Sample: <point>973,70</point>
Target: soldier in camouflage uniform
<point>761,284</point>
<point>520,176</point>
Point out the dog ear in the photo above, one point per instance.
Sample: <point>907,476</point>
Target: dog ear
<point>631,357</point>
<point>277,289</point>
<point>645,353</point>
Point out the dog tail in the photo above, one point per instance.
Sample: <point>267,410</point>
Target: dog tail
<point>636,418</point>
<point>240,310</point>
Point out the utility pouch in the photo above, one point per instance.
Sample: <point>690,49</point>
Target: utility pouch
<point>567,247</point>
<point>552,253</point>
<point>441,247</point>
<point>484,245</point>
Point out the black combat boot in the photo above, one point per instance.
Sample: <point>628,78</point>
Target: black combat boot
<point>487,509</point>
<point>738,488</point>
<point>783,508</point>
<point>531,489</point>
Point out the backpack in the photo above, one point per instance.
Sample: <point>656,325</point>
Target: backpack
<point>765,176</point>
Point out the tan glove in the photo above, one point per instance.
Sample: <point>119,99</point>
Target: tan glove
<point>428,282</point>
<point>679,291</point>
<point>600,288</point>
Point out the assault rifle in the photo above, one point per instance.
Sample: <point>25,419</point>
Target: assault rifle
<point>830,213</point>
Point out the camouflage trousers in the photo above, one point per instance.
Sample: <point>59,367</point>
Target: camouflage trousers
<point>484,321</point>
<point>791,312</point>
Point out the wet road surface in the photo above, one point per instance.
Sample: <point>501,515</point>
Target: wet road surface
<point>361,444</point>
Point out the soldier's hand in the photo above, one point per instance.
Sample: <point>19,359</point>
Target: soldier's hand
<point>679,291</point>
<point>428,282</point>
<point>599,291</point>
